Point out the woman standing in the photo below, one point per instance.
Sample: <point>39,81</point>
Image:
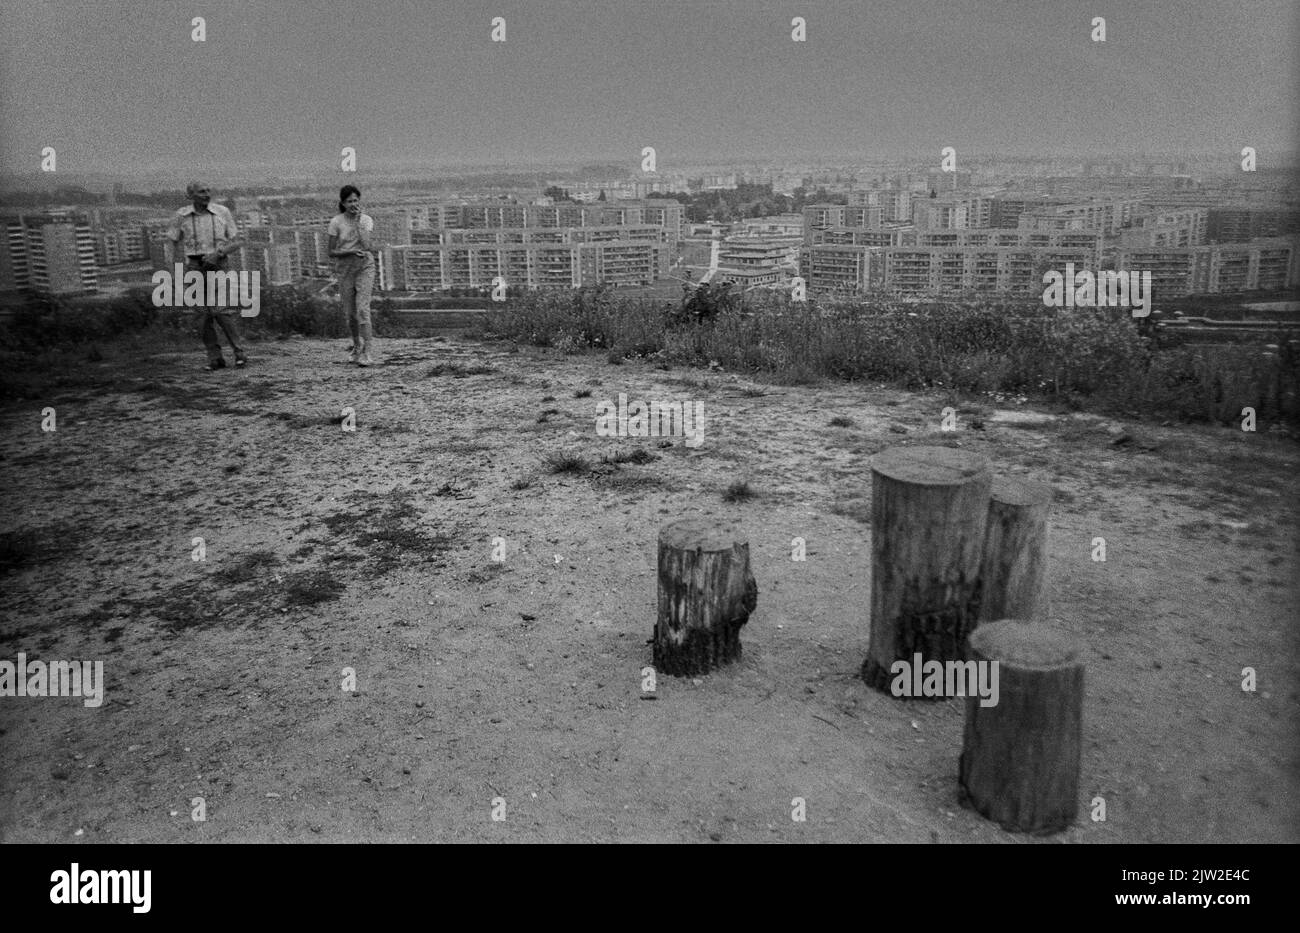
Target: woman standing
<point>351,245</point>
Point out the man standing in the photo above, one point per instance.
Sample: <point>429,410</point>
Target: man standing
<point>205,234</point>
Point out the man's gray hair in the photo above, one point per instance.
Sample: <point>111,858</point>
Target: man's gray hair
<point>193,187</point>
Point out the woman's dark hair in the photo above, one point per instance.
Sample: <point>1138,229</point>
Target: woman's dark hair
<point>346,192</point>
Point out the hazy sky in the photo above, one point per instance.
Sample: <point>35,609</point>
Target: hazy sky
<point>116,86</point>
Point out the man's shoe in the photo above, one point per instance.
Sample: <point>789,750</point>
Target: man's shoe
<point>216,364</point>
<point>241,362</point>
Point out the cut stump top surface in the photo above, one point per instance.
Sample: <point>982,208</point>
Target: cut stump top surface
<point>1024,645</point>
<point>701,534</point>
<point>1015,491</point>
<point>936,466</point>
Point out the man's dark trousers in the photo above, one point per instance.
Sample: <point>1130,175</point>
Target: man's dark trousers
<point>213,317</point>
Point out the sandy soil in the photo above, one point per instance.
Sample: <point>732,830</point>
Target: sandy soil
<point>371,550</point>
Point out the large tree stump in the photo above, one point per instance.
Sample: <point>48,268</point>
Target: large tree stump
<point>1013,574</point>
<point>1020,758</point>
<point>929,510</point>
<point>706,593</point>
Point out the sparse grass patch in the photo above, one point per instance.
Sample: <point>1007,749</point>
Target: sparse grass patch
<point>245,569</point>
<point>25,547</point>
<point>312,587</point>
<point>739,491</point>
<point>582,393</point>
<point>18,549</point>
<point>393,537</point>
<point>839,421</point>
<point>385,528</point>
<point>566,462</point>
<point>486,573</point>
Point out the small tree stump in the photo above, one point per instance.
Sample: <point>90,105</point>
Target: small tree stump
<point>706,593</point>
<point>1020,758</point>
<point>1013,575</point>
<point>929,510</point>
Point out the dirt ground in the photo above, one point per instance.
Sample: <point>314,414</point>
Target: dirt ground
<point>372,550</point>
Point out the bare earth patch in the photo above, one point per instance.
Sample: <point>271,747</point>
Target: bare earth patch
<point>371,550</point>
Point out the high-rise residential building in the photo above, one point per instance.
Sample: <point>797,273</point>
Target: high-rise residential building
<point>1263,264</point>
<point>1165,227</point>
<point>52,253</point>
<point>895,203</point>
<point>948,262</point>
<point>496,214</point>
<point>889,235</point>
<point>718,181</point>
<point>869,216</point>
<point>1108,215</point>
<point>827,268</point>
<point>158,250</point>
<point>1007,207</point>
<point>13,254</point>
<point>755,261</point>
<point>821,217</point>
<point>776,225</point>
<point>1240,224</point>
<point>528,257</point>
<point>272,251</point>
<point>108,249</point>
<point>115,245</point>
<point>951,212</point>
<point>431,246</point>
<point>313,251</point>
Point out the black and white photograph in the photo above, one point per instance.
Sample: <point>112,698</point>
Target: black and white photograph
<point>734,421</point>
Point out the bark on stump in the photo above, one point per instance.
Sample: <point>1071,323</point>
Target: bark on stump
<point>1020,758</point>
<point>929,509</point>
<point>1013,575</point>
<point>706,593</point>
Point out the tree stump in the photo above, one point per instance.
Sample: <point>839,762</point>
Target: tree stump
<point>1013,575</point>
<point>1020,758</point>
<point>706,593</point>
<point>929,510</point>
